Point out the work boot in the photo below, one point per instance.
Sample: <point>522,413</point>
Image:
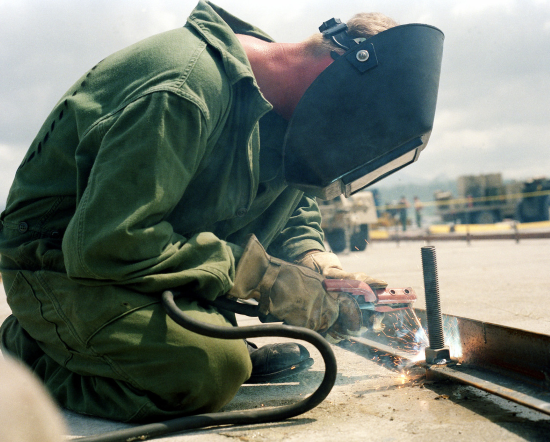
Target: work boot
<point>277,361</point>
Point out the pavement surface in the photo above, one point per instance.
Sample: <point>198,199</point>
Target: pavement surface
<point>502,282</point>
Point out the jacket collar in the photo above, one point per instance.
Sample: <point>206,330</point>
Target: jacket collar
<point>218,28</point>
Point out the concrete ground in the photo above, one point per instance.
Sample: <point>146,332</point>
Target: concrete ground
<point>494,281</point>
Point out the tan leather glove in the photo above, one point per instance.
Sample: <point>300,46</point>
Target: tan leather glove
<point>293,294</point>
<point>328,265</point>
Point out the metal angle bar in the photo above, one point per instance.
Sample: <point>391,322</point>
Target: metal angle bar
<point>510,363</point>
<point>514,353</point>
<point>477,379</point>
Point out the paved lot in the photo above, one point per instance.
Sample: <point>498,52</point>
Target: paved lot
<point>495,281</point>
<point>503,282</point>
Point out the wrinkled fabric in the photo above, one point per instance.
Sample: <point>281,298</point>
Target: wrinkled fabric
<point>139,369</point>
<point>148,175</point>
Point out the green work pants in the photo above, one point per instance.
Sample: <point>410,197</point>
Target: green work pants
<point>140,367</point>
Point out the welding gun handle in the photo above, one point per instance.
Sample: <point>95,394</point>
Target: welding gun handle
<point>352,286</point>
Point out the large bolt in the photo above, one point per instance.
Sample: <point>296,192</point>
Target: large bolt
<point>437,352</point>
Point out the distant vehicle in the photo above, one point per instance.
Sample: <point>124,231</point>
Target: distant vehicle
<point>485,199</point>
<point>346,221</point>
<point>535,205</point>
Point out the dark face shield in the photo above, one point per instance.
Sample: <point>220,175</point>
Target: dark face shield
<point>367,115</point>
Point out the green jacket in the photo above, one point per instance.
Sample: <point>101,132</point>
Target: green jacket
<point>149,172</point>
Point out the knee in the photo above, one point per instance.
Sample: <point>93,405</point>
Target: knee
<point>213,378</point>
<point>181,371</point>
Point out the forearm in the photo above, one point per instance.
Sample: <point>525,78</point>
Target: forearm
<point>301,233</point>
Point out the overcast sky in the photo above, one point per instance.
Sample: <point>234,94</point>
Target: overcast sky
<point>494,98</point>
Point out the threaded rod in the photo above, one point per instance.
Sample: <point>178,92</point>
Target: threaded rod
<point>431,289</point>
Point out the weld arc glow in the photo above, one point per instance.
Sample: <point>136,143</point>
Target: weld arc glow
<point>403,331</point>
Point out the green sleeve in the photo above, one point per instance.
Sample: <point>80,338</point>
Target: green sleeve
<point>147,155</point>
<point>301,233</point>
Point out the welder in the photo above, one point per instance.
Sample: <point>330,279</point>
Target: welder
<point>190,161</point>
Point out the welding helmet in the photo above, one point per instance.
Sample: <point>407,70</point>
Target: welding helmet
<point>368,114</point>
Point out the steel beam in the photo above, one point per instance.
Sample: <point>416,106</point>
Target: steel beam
<point>511,363</point>
<point>493,383</point>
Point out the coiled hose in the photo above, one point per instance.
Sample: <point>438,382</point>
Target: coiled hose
<point>149,431</point>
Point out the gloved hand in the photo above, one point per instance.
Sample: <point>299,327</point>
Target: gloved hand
<point>293,294</point>
<point>328,265</point>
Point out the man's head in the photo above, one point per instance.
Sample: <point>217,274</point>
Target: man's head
<point>285,70</point>
<point>368,113</point>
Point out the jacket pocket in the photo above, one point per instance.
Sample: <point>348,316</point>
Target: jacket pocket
<point>34,315</point>
<point>81,311</point>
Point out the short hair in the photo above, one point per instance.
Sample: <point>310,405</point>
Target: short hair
<point>362,25</point>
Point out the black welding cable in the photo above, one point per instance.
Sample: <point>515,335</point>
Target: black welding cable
<point>149,431</point>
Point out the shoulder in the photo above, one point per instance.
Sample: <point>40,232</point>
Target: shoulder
<point>179,62</point>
